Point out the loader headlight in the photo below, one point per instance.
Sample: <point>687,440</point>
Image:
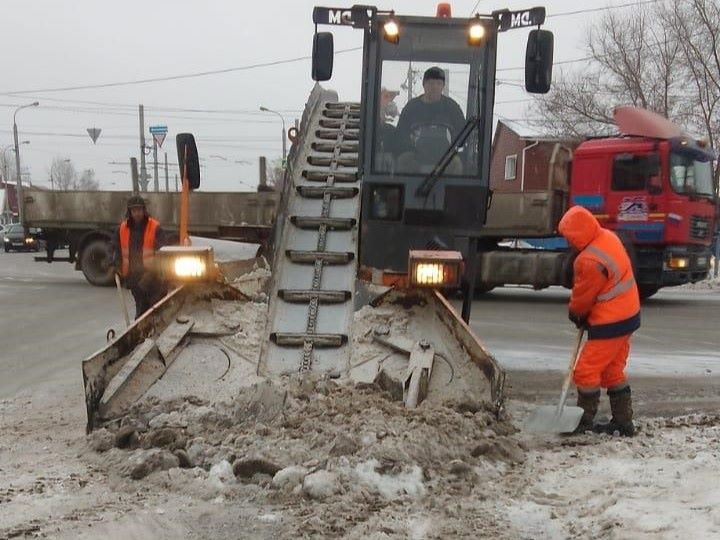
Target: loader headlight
<point>476,33</point>
<point>678,263</point>
<point>186,263</point>
<point>435,268</point>
<point>391,30</point>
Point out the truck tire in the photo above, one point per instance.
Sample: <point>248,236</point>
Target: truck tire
<point>646,291</point>
<point>95,263</point>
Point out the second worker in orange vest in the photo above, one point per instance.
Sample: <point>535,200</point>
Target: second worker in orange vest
<point>606,302</point>
<point>138,238</point>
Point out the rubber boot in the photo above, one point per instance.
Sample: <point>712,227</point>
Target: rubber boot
<point>588,402</point>
<point>622,413</point>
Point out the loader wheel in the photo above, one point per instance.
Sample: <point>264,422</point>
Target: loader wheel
<point>95,263</point>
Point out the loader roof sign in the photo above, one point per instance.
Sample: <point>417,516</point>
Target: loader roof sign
<point>328,15</point>
<point>509,20</point>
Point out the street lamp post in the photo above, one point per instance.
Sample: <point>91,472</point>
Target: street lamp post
<point>6,177</point>
<point>284,141</point>
<point>17,158</point>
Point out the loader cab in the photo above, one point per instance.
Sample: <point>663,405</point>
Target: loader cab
<point>427,97</point>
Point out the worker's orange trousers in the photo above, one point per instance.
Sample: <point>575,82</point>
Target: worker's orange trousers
<point>602,363</point>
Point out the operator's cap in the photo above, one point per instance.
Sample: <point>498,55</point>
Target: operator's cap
<point>136,201</point>
<point>434,73</point>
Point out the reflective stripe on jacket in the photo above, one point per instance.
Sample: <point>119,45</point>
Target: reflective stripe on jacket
<point>604,288</point>
<point>148,245</point>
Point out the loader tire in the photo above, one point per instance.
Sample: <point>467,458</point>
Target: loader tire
<point>95,263</point>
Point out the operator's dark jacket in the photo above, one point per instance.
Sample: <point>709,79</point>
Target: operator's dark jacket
<point>417,112</point>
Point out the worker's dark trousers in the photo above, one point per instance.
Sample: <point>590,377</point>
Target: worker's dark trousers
<point>145,298</point>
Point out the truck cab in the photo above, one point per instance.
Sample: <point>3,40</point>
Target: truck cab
<point>658,195</point>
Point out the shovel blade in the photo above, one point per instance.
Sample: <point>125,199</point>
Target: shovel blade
<point>548,420</point>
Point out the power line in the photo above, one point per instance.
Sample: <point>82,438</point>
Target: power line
<point>606,8</point>
<point>173,77</point>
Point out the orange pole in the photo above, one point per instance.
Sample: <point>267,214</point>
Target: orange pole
<point>184,205</point>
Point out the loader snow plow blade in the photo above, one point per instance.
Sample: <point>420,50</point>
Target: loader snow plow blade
<point>200,339</point>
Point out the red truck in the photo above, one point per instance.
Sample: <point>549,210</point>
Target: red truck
<point>653,185</point>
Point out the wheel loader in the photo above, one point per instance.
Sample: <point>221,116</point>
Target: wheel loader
<point>375,222</point>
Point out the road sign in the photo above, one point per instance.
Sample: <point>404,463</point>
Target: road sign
<point>159,138</point>
<point>94,133</point>
<point>159,133</point>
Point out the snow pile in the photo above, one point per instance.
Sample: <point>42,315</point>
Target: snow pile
<point>316,440</point>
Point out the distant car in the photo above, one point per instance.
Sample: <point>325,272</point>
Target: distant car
<point>14,238</point>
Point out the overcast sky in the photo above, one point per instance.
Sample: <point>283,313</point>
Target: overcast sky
<point>49,44</point>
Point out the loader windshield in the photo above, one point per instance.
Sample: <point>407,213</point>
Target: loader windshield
<point>428,88</point>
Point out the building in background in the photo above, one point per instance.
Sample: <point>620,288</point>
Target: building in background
<point>525,160</point>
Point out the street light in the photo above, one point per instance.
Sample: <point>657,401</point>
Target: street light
<point>284,143</point>
<point>17,158</point>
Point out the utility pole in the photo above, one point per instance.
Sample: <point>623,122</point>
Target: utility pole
<point>262,182</point>
<point>19,191</point>
<point>167,179</point>
<point>143,168</point>
<point>134,176</point>
<point>410,82</point>
<point>176,182</point>
<point>156,180</point>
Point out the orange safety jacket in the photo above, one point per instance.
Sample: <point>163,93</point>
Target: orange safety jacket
<point>604,289</point>
<point>148,245</point>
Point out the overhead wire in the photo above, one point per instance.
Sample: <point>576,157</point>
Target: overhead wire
<point>172,77</point>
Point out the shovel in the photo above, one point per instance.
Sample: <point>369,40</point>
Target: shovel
<point>559,419</point>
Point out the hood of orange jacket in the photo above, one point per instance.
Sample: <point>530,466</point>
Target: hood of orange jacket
<point>579,227</point>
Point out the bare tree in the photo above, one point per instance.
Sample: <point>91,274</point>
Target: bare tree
<point>696,24</point>
<point>63,174</point>
<point>665,58</point>
<point>87,181</point>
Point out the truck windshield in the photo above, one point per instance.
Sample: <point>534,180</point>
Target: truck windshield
<point>690,177</point>
<point>428,88</point>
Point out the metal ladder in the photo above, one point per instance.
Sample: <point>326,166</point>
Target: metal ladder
<point>311,302</point>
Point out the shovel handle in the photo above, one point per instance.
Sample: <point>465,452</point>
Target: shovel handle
<point>123,305</point>
<point>573,363</point>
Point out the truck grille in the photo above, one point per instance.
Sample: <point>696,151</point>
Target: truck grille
<point>699,227</point>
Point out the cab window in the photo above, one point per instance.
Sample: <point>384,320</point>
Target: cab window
<point>633,172</point>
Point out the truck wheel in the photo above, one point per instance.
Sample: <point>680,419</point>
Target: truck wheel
<point>95,263</point>
<point>646,291</point>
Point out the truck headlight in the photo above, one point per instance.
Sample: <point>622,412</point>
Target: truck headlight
<point>186,263</point>
<point>678,263</point>
<point>435,268</point>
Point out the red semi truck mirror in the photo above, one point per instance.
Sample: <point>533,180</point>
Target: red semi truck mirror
<point>655,184</point>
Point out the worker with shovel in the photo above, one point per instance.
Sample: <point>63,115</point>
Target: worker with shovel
<point>605,302</point>
<point>138,238</point>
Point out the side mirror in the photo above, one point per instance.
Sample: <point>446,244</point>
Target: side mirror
<point>539,61</point>
<point>322,56</point>
<point>188,156</point>
<point>655,184</point>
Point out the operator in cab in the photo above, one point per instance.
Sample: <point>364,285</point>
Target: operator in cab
<point>137,239</point>
<point>427,126</point>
